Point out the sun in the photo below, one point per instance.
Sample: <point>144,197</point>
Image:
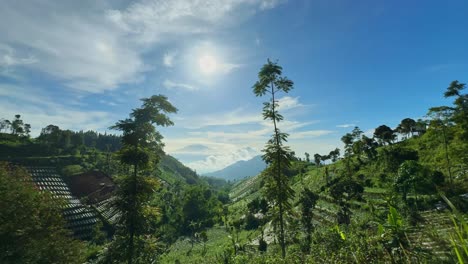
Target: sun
<point>207,64</point>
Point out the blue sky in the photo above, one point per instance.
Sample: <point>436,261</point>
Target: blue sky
<point>84,65</point>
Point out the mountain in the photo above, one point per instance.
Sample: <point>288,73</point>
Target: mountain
<point>240,169</point>
<point>173,170</point>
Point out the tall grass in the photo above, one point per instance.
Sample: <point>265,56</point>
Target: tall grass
<point>459,237</point>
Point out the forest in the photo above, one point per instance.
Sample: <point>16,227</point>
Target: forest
<point>399,195</point>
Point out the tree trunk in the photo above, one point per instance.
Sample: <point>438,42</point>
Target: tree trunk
<point>447,155</point>
<point>278,178</point>
<point>132,217</point>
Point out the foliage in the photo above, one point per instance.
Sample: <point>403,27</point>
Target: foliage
<point>384,134</point>
<point>31,226</point>
<point>277,156</point>
<point>307,202</point>
<point>343,191</point>
<point>406,127</point>
<point>16,127</point>
<point>141,148</point>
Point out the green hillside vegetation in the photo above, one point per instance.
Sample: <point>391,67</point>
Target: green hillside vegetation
<point>179,196</point>
<point>397,196</point>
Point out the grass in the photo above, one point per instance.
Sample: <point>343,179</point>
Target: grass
<point>219,241</point>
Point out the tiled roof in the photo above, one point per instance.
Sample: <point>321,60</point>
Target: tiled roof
<point>80,219</point>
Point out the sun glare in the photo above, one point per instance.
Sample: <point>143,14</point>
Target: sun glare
<point>207,64</point>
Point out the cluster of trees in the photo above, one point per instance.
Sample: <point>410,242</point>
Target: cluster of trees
<point>16,127</point>
<point>57,138</point>
<point>188,210</point>
<point>318,159</point>
<point>55,141</point>
<point>69,141</point>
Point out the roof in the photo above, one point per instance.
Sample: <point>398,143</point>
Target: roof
<point>94,186</point>
<point>80,218</point>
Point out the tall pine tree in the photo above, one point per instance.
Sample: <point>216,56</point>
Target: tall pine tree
<point>141,149</point>
<point>277,155</point>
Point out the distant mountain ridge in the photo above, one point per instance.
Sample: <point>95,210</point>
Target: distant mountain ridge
<point>240,169</point>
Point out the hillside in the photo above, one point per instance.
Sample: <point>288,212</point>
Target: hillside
<point>91,153</point>
<point>425,223</point>
<point>240,169</point>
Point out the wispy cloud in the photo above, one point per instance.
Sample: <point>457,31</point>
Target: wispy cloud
<point>346,125</point>
<point>168,59</point>
<point>228,67</point>
<point>40,110</point>
<point>106,102</point>
<point>9,58</point>
<point>150,21</point>
<point>94,47</point>
<point>287,102</point>
<point>237,116</point>
<point>268,4</point>
<point>217,162</point>
<point>172,85</point>
<point>310,134</point>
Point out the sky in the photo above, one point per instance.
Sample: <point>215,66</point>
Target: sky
<point>83,65</point>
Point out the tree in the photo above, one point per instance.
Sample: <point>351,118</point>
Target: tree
<point>307,155</point>
<point>343,191</point>
<point>406,127</point>
<point>50,135</point>
<point>410,174</point>
<point>141,147</point>
<point>277,156</point>
<point>307,202</point>
<point>347,139</point>
<point>369,147</point>
<point>4,125</point>
<point>441,117</point>
<point>384,134</point>
<point>27,129</point>
<point>356,133</point>
<point>420,127</point>
<point>357,145</point>
<point>17,126</point>
<point>31,225</point>
<point>317,159</point>
<point>460,114</point>
<point>334,154</point>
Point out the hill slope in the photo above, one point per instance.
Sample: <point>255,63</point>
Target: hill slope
<point>240,169</point>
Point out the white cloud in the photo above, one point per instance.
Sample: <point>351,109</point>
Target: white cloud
<point>269,4</point>
<point>217,162</point>
<point>346,125</point>
<point>171,85</point>
<point>71,44</point>
<point>8,57</point>
<point>40,111</point>
<point>228,67</point>
<point>310,133</point>
<point>235,117</point>
<point>287,102</point>
<point>152,21</point>
<point>106,102</point>
<point>168,59</point>
<point>93,47</point>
